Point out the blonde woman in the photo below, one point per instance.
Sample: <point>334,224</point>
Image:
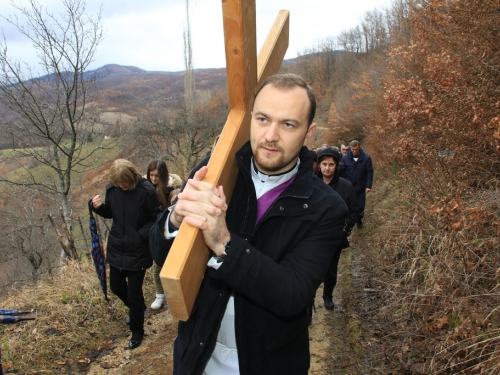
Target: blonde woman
<point>131,201</point>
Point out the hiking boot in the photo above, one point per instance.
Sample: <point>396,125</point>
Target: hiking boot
<point>329,303</point>
<point>159,302</point>
<point>135,341</point>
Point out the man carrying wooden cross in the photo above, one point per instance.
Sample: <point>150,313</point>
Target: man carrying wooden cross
<point>271,245</point>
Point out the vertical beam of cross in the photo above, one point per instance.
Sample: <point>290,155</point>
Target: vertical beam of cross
<point>186,263</point>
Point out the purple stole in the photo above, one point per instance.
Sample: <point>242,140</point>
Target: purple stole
<point>266,200</point>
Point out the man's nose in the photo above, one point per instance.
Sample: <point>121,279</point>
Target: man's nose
<point>272,133</point>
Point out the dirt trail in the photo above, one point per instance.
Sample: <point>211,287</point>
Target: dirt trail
<point>345,341</point>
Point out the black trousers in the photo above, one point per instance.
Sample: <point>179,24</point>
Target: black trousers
<point>331,275</point>
<point>127,285</point>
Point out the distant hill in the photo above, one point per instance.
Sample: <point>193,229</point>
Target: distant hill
<point>130,90</point>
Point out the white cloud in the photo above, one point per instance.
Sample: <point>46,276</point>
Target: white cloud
<point>148,33</point>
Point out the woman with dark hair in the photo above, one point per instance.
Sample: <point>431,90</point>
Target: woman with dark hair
<point>164,183</point>
<point>131,201</point>
<point>157,174</point>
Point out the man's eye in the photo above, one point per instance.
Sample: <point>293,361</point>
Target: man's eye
<point>261,119</point>
<point>288,125</point>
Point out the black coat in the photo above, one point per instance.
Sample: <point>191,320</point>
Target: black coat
<point>359,172</point>
<point>344,188</point>
<point>273,268</point>
<point>133,213</point>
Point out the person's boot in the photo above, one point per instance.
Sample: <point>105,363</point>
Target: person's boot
<point>158,302</point>
<point>329,303</point>
<point>360,223</point>
<point>135,341</point>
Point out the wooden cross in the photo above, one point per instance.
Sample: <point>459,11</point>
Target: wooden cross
<point>186,263</point>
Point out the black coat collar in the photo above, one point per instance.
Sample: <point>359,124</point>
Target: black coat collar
<point>301,186</point>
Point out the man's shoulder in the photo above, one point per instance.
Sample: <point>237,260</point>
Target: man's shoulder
<point>344,183</point>
<point>346,158</point>
<point>321,190</point>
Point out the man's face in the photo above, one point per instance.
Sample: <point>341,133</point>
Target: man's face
<point>344,149</point>
<point>279,128</point>
<point>328,166</point>
<point>355,150</point>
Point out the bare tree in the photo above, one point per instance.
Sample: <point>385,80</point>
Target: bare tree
<point>50,117</point>
<point>25,229</point>
<point>182,136</point>
<point>168,135</point>
<point>189,73</point>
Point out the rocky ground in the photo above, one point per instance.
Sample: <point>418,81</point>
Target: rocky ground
<point>352,339</point>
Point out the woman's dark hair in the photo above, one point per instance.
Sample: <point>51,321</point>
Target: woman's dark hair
<point>161,167</point>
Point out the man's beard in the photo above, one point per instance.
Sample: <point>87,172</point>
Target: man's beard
<point>270,164</point>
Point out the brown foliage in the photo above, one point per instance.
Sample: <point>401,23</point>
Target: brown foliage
<point>442,128</point>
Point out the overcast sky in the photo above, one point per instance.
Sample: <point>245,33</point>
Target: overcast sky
<point>148,33</point>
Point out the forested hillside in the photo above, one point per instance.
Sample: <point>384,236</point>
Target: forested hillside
<point>417,83</point>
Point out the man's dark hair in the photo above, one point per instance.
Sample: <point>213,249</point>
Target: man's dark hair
<point>345,144</point>
<point>288,81</point>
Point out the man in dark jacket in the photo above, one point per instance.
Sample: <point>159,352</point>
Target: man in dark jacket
<point>359,170</point>
<point>329,160</point>
<point>271,245</point>
<point>131,201</point>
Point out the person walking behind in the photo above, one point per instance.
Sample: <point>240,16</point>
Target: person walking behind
<point>344,147</point>
<point>329,160</point>
<point>164,183</point>
<point>359,170</point>
<point>131,201</point>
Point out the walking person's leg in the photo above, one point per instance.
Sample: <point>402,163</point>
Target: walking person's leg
<point>331,281</point>
<point>160,295</point>
<point>361,204</point>
<point>118,283</point>
<point>137,306</point>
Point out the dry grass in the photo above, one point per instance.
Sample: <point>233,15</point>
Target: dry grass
<point>441,260</point>
<point>73,323</point>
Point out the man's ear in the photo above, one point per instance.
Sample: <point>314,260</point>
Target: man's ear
<point>310,133</point>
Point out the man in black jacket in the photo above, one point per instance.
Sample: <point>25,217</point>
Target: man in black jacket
<point>271,245</point>
<point>131,201</point>
<point>329,160</point>
<point>359,170</point>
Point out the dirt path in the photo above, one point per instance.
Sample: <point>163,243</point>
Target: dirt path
<point>347,341</point>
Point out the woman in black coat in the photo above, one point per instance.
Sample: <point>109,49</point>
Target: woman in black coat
<point>131,201</point>
<point>329,163</point>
